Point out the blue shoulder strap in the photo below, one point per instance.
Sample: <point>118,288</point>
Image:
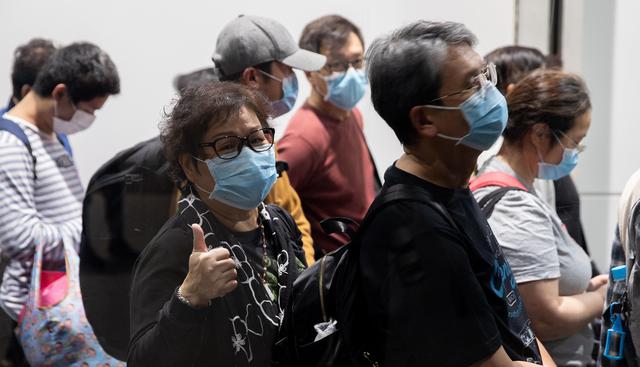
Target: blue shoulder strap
<point>64,140</point>
<point>14,129</point>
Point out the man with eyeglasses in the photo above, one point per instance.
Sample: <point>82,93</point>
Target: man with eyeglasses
<point>261,54</point>
<point>436,288</point>
<point>330,165</point>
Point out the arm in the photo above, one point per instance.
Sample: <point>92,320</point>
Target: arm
<point>283,195</point>
<point>21,226</point>
<point>165,331</point>
<point>554,316</point>
<point>501,359</point>
<point>547,361</point>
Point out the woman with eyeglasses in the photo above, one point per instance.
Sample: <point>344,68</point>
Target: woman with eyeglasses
<point>210,288</point>
<point>549,116</point>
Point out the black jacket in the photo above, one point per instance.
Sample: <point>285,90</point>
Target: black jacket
<point>238,329</point>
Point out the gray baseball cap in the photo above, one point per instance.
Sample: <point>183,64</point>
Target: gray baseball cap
<point>249,40</point>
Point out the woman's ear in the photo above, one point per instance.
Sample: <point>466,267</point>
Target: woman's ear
<point>189,167</point>
<point>510,88</point>
<point>539,135</point>
<point>421,122</point>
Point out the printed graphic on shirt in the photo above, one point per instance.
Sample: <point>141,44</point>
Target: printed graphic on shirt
<point>265,306</point>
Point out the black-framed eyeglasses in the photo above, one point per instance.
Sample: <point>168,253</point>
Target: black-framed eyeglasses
<point>342,66</point>
<point>488,74</point>
<point>229,147</point>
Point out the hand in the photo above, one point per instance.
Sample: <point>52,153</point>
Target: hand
<point>212,274</point>
<point>598,282</point>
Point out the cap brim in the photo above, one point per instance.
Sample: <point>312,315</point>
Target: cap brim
<point>305,60</point>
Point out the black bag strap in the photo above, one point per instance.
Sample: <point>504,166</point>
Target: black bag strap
<point>489,201</point>
<point>393,194</point>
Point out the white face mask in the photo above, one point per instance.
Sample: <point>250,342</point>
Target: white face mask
<point>80,120</point>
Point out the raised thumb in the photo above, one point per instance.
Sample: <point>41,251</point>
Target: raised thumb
<point>198,238</point>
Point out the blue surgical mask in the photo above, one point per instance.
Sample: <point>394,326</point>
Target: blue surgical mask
<point>548,171</point>
<point>289,94</point>
<point>486,113</point>
<point>345,90</point>
<point>244,181</point>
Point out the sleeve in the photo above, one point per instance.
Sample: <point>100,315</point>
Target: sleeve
<point>303,158</point>
<point>21,226</point>
<point>285,196</point>
<point>164,331</point>
<point>524,230</point>
<point>435,304</point>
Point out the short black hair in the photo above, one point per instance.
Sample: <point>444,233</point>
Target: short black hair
<point>404,70</point>
<point>84,68</point>
<point>265,66</point>
<point>514,63</point>
<point>28,59</point>
<point>328,32</point>
<point>195,78</point>
<point>200,107</point>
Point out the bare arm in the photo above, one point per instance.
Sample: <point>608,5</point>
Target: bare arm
<point>554,316</point>
<point>501,359</point>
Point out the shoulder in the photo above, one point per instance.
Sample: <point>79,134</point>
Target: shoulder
<point>306,127</point>
<point>517,201</point>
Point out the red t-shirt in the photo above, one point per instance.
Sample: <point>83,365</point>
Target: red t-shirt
<point>330,168</point>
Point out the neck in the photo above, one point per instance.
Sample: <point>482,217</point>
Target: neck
<point>35,110</point>
<point>234,219</point>
<point>451,174</point>
<point>317,101</point>
<point>516,158</point>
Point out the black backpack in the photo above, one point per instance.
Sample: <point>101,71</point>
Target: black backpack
<point>128,200</point>
<point>326,295</point>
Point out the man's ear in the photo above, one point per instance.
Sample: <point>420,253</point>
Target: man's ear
<point>420,118</point>
<point>26,88</point>
<point>59,91</point>
<point>250,77</point>
<point>510,88</point>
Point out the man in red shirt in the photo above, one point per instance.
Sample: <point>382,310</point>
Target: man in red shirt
<point>330,165</point>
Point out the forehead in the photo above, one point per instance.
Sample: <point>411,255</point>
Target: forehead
<point>461,64</point>
<point>352,48</point>
<point>239,124</point>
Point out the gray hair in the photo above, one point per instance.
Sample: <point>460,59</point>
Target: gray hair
<point>404,69</point>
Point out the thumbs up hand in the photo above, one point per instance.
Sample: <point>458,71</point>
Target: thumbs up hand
<point>212,274</point>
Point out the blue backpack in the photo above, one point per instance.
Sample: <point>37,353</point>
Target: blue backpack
<point>15,129</point>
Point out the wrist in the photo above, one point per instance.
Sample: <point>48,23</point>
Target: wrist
<point>190,299</point>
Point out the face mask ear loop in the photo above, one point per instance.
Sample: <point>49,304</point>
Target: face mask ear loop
<point>195,184</point>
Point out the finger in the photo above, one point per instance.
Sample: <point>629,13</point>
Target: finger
<point>229,286</point>
<point>199,244</point>
<point>225,265</point>
<point>230,274</point>
<point>220,253</point>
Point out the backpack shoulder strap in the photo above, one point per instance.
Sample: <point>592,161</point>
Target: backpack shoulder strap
<point>64,140</point>
<point>15,130</point>
<point>495,179</point>
<point>404,192</point>
<point>504,181</point>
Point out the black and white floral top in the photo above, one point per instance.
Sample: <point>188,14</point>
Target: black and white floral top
<point>238,329</point>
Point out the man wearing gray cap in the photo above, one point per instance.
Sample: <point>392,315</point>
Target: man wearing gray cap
<point>261,54</point>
